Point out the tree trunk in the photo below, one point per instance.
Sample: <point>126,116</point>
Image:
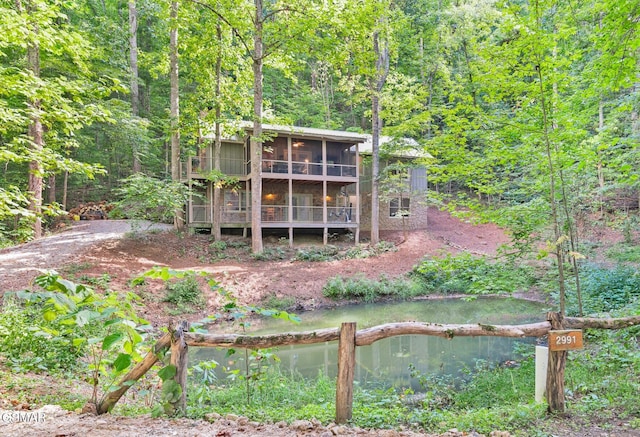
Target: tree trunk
<point>217,191</point>
<point>178,220</point>
<point>382,70</point>
<point>65,189</point>
<point>52,189</point>
<point>133,60</point>
<point>36,133</point>
<point>256,138</point>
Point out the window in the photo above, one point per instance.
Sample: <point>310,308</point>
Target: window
<point>399,207</point>
<point>235,200</point>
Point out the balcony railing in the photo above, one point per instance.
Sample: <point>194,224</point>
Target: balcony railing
<point>340,215</point>
<point>200,214</point>
<point>199,167</point>
<point>275,213</point>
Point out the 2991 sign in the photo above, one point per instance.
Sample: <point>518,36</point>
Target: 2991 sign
<point>565,340</point>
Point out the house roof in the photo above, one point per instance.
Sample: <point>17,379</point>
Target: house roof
<point>308,132</point>
<point>398,147</point>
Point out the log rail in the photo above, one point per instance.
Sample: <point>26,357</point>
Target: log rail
<point>344,389</point>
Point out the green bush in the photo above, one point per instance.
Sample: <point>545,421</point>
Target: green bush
<point>360,287</point>
<point>185,293</point>
<point>604,289</point>
<point>624,253</point>
<point>317,253</point>
<point>465,273</point>
<point>29,343</point>
<point>270,254</point>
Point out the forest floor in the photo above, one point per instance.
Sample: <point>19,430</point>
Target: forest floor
<point>110,253</point>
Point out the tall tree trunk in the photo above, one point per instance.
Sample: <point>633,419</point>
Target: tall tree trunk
<point>178,220</point>
<point>65,189</point>
<point>217,192</point>
<point>36,134</point>
<point>256,138</point>
<point>382,70</point>
<point>52,189</point>
<point>133,60</point>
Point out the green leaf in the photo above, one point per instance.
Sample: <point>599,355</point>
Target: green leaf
<point>171,391</point>
<point>167,372</point>
<point>122,362</point>
<point>110,340</point>
<point>49,315</point>
<point>85,316</point>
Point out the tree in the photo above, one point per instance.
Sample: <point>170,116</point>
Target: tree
<point>47,94</point>
<point>178,220</point>
<point>133,63</point>
<point>273,28</point>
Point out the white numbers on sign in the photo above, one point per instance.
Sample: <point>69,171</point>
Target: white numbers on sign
<point>565,339</point>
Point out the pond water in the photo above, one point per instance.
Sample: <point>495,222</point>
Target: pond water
<point>386,362</point>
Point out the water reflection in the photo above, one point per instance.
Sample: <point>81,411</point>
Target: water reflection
<point>387,361</point>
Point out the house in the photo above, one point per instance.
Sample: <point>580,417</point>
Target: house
<point>311,181</point>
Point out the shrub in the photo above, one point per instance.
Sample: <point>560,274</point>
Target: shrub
<point>29,343</point>
<point>605,289</point>
<point>369,289</point>
<point>317,253</point>
<point>465,273</point>
<point>185,293</point>
<point>624,253</point>
<point>270,254</point>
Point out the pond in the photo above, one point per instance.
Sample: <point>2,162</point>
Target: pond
<point>387,362</point>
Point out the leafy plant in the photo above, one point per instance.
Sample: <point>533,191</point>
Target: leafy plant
<point>184,293</point>
<point>317,253</point>
<point>270,253</point>
<point>79,312</point>
<point>279,303</point>
<point>370,289</point>
<point>30,343</point>
<point>146,198</point>
<point>606,289</point>
<point>473,275</point>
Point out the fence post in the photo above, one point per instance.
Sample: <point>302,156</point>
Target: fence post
<point>346,371</point>
<point>179,359</point>
<point>555,370</point>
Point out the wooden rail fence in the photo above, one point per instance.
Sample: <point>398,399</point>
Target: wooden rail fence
<point>349,339</point>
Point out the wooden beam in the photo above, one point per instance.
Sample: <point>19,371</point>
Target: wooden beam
<point>370,335</point>
<point>262,341</point>
<point>346,372</point>
<point>134,374</point>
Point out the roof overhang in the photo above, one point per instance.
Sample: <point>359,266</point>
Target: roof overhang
<point>396,147</point>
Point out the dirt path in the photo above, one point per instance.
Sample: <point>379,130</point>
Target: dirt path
<point>20,263</point>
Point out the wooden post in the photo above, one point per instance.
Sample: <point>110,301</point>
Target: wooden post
<point>555,370</point>
<point>179,359</point>
<point>134,374</point>
<point>346,371</point>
